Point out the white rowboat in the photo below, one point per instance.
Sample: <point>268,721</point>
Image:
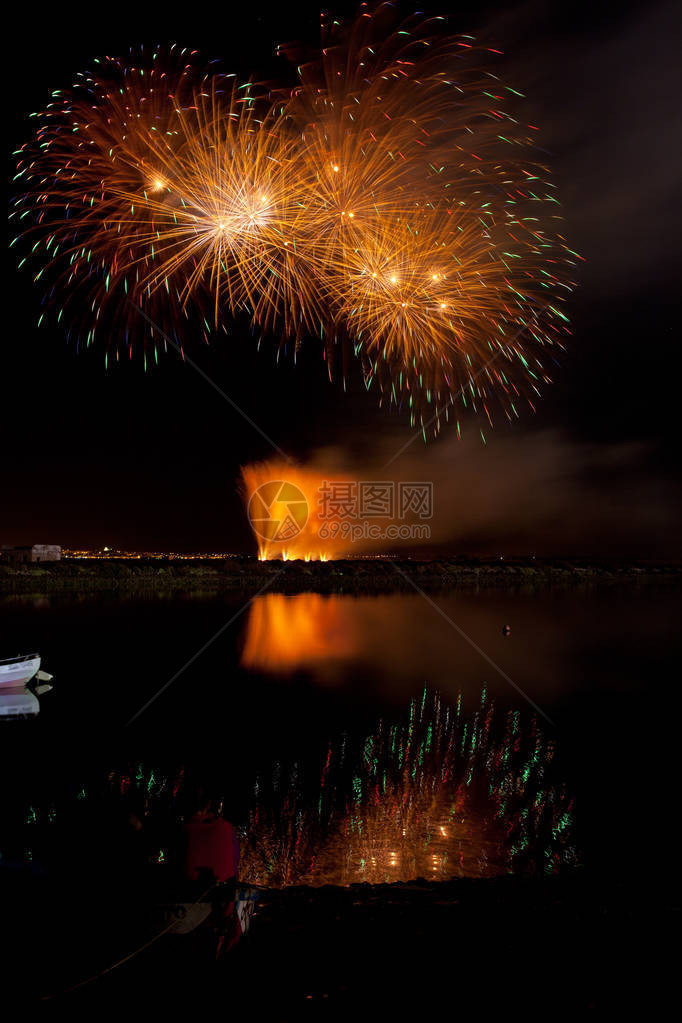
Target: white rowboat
<point>15,672</point>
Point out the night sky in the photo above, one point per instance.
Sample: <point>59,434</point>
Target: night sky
<point>150,461</point>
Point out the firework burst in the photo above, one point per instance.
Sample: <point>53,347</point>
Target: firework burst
<point>92,188</point>
<point>391,204</point>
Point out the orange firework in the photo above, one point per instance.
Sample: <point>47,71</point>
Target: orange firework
<point>160,188</point>
<point>391,204</point>
<point>447,273</point>
<point>91,185</point>
<point>226,216</point>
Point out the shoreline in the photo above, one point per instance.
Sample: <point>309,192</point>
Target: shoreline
<point>329,950</point>
<point>343,576</point>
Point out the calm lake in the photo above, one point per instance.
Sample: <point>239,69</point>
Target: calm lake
<point>366,737</point>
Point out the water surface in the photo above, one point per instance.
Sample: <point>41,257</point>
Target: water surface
<point>280,686</point>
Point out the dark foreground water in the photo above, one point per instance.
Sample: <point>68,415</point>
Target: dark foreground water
<point>362,738</point>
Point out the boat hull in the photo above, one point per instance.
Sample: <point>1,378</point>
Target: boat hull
<point>15,674</point>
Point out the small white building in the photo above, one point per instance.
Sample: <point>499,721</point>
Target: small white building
<point>38,552</point>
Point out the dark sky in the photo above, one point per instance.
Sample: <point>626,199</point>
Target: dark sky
<point>150,461</point>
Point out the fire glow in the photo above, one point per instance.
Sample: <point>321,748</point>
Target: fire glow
<point>311,514</point>
<point>281,531</point>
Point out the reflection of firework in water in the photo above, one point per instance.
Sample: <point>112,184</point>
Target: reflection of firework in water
<point>288,633</point>
<point>391,204</point>
<point>441,795</point>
